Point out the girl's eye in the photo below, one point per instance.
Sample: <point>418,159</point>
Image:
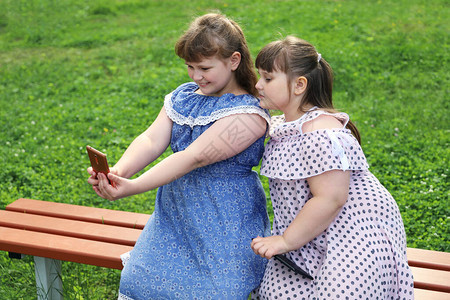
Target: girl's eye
<point>267,79</point>
<point>205,69</point>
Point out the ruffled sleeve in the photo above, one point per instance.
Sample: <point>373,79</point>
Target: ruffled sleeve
<point>312,153</point>
<point>184,107</point>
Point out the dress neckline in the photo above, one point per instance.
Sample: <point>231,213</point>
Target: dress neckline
<point>300,118</point>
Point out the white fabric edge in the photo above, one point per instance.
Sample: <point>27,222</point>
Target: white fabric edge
<point>216,115</point>
<point>123,297</point>
<point>125,257</point>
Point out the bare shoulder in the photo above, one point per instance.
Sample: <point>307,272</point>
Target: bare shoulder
<point>322,122</point>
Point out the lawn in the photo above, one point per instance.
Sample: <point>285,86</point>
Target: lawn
<point>95,72</point>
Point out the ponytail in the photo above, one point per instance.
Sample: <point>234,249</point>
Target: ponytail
<point>350,125</point>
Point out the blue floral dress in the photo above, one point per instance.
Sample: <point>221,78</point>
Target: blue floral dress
<point>196,244</point>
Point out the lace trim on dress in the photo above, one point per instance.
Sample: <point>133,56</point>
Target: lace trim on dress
<point>125,258</point>
<point>214,116</point>
<point>123,297</point>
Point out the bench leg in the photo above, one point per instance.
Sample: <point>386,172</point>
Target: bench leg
<point>48,278</point>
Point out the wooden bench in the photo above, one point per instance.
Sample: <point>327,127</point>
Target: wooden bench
<point>431,271</point>
<point>52,232</point>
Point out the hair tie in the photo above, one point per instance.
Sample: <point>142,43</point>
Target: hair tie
<point>319,57</point>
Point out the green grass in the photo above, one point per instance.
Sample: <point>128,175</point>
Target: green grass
<point>74,73</point>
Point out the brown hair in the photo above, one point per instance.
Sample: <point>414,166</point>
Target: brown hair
<point>296,57</point>
<point>215,34</point>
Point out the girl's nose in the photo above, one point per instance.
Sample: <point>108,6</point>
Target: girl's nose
<point>258,85</point>
<point>197,75</point>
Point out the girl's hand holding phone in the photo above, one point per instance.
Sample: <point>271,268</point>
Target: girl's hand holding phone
<point>116,190</point>
<point>113,186</point>
<point>100,173</point>
<point>107,186</point>
<point>93,180</point>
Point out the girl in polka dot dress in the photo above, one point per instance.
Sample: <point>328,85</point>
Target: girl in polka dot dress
<point>332,217</point>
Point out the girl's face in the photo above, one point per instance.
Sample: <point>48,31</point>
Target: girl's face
<point>273,90</point>
<point>213,75</point>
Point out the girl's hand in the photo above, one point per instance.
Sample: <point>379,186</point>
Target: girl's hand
<point>269,246</point>
<point>122,186</point>
<point>92,180</point>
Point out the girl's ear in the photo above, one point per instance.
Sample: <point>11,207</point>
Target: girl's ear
<point>300,85</point>
<point>235,60</point>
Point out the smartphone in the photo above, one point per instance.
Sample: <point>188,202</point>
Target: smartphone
<point>98,161</point>
<point>291,265</point>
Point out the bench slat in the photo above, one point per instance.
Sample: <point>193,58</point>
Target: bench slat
<point>62,248</point>
<point>420,294</point>
<point>81,213</point>
<point>71,228</point>
<point>428,279</point>
<point>428,259</point>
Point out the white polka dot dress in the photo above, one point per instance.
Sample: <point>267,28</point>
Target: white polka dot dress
<point>362,254</point>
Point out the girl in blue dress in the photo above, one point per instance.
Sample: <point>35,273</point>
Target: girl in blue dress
<point>210,203</point>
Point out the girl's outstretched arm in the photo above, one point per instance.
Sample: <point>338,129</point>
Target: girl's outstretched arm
<point>143,150</point>
<point>146,147</point>
<point>224,139</point>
